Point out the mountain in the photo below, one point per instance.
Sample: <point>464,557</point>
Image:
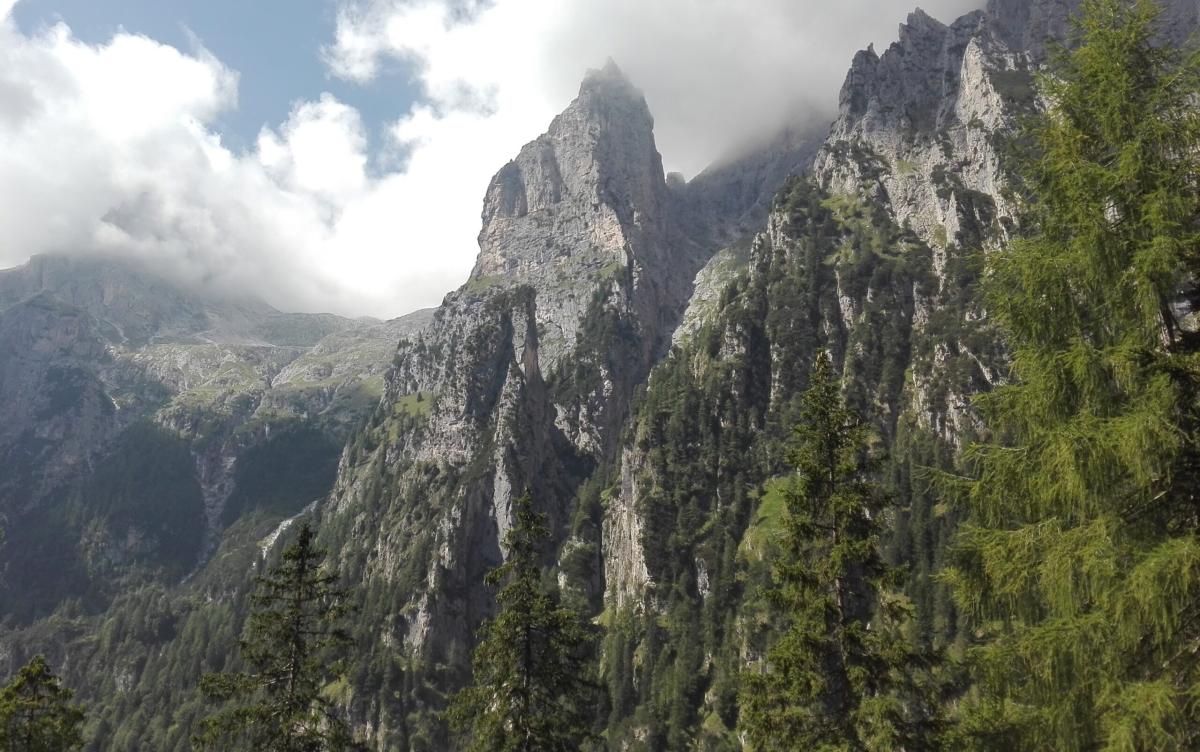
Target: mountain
<point>524,379</point>
<point>629,346</point>
<point>110,371</point>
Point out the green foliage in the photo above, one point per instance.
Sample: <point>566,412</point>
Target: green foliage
<point>531,690</point>
<point>417,404</point>
<point>841,675</point>
<point>146,491</point>
<point>1080,566</point>
<point>767,528</point>
<point>36,714</point>
<point>293,632</point>
<point>292,468</point>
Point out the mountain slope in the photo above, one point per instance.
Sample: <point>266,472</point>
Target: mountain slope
<point>108,367</point>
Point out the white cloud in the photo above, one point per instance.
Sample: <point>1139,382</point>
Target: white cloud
<point>716,73</point>
<point>112,148</point>
<point>322,151</point>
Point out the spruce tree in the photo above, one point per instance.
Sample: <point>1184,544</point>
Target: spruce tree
<point>36,714</point>
<point>841,675</point>
<point>532,687</point>
<point>1080,564</point>
<point>291,642</point>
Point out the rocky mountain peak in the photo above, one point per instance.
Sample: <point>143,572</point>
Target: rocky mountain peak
<point>583,205</point>
<point>917,22</point>
<point>610,83</point>
<point>568,195</point>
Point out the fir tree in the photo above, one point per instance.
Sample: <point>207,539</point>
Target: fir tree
<point>1080,564</point>
<point>292,633</point>
<point>36,714</point>
<point>840,675</point>
<point>532,689</point>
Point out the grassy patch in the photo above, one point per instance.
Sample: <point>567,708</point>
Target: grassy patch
<point>612,270</point>
<point>416,405</point>
<point>844,207</point>
<point>939,236</point>
<point>767,526</point>
<point>477,285</point>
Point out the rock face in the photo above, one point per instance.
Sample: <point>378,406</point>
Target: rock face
<point>921,131</point>
<point>918,128</point>
<point>731,198</point>
<point>583,205</point>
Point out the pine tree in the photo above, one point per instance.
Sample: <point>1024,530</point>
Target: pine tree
<point>292,634</point>
<point>1080,565</point>
<point>36,714</point>
<point>841,675</point>
<point>532,688</point>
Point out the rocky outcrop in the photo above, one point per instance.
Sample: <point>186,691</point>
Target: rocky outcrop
<point>626,577</point>
<point>585,207</point>
<point>919,129</point>
<point>922,126</point>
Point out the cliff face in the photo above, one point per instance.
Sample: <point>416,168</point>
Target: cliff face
<point>524,379</point>
<point>585,203</point>
<point>919,127</point>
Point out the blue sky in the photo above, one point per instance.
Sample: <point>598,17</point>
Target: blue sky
<point>275,46</point>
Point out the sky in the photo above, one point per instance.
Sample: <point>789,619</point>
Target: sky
<point>332,155</point>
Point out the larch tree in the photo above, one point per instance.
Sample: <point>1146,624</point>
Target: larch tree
<point>841,674</point>
<point>292,639</point>
<point>1080,563</point>
<point>532,688</point>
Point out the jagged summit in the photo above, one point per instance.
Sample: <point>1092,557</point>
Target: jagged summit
<point>919,18</point>
<point>598,152</point>
<point>609,80</point>
<point>585,202</point>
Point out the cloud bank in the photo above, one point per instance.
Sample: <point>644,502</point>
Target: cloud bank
<point>113,148</point>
